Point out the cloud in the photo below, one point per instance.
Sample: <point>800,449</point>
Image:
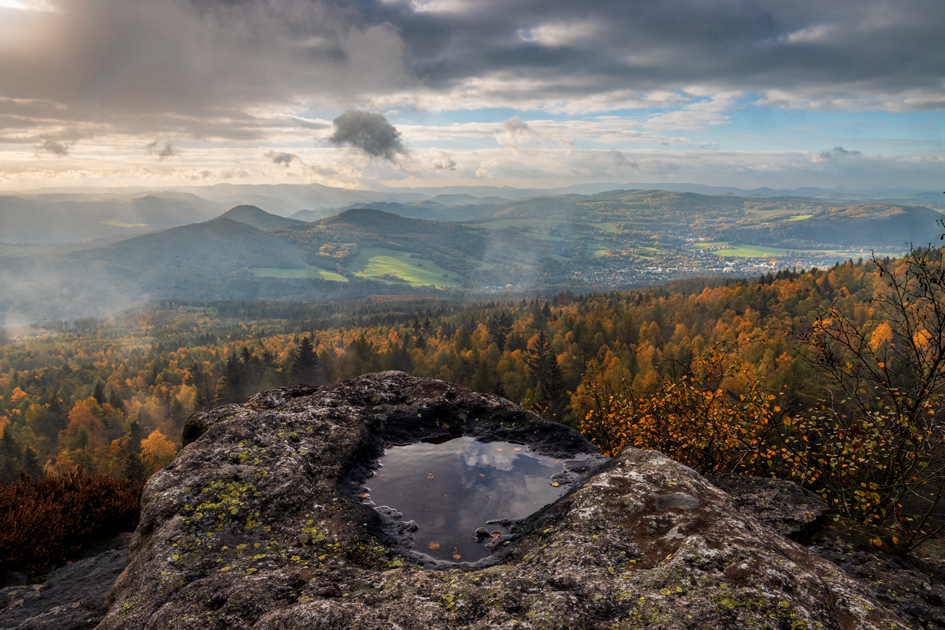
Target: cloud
<point>838,152</point>
<point>515,132</point>
<point>369,133</point>
<point>61,149</point>
<point>282,158</point>
<point>441,160</point>
<point>162,152</point>
<point>622,160</point>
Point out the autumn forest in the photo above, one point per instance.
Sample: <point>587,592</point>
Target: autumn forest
<point>798,374</point>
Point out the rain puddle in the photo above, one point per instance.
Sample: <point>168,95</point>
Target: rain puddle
<point>456,487</point>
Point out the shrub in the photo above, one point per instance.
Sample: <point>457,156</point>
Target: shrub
<point>44,520</point>
<point>713,418</point>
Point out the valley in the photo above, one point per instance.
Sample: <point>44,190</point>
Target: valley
<point>617,239</point>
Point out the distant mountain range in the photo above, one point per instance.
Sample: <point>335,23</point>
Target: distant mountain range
<point>75,216</point>
<point>573,241</point>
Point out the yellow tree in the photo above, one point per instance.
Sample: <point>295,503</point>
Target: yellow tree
<point>157,451</point>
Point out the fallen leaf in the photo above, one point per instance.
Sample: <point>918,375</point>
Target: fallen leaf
<point>555,484</point>
<point>365,495</point>
<point>498,449</point>
<point>495,534</point>
<point>516,449</point>
<point>481,475</point>
<point>434,546</point>
<point>456,556</point>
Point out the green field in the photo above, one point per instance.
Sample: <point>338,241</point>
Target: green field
<point>499,224</point>
<point>377,262</point>
<point>122,224</point>
<point>309,272</point>
<point>751,251</point>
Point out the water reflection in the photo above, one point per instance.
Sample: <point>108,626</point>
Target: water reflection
<point>453,488</point>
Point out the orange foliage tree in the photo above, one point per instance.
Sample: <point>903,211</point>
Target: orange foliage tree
<point>157,451</point>
<point>714,418</point>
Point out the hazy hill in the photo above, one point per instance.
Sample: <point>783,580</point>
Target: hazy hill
<point>427,210</point>
<point>342,236</point>
<point>257,217</point>
<point>44,220</point>
<point>564,242</point>
<point>879,226</point>
<point>219,244</point>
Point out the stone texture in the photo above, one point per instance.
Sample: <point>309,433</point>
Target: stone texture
<point>782,505</point>
<point>73,597</point>
<point>256,524</point>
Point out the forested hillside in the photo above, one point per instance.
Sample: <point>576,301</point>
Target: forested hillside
<point>89,394</point>
<point>831,377</point>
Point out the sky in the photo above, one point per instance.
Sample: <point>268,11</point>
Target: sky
<point>523,93</point>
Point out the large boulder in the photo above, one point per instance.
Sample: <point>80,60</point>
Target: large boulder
<point>257,524</point>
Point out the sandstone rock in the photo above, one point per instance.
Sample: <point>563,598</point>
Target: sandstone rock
<point>256,524</point>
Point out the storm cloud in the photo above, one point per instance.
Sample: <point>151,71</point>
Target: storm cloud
<point>188,57</point>
<point>369,133</point>
<point>243,74</point>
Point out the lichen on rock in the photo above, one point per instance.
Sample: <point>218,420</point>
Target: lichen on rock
<point>257,524</point>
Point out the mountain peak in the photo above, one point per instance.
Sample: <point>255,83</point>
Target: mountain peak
<point>257,217</point>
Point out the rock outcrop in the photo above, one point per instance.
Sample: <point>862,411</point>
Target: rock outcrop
<point>257,524</point>
<point>74,596</point>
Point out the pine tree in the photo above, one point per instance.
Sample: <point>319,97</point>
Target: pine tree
<point>9,456</point>
<point>552,395</point>
<point>134,467</point>
<point>538,357</point>
<point>305,363</point>
<point>31,462</point>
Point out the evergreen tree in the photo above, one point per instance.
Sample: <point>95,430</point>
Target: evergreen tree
<point>305,363</point>
<point>552,395</point>
<point>500,325</point>
<point>538,357</point>
<point>31,462</point>
<point>9,456</point>
<point>134,467</point>
<point>98,393</point>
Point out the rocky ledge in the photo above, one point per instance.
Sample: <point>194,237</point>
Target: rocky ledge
<point>257,524</point>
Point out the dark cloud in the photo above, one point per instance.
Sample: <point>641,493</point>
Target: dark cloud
<point>162,151</point>
<point>193,57</point>
<point>838,152</point>
<point>368,132</point>
<point>61,149</point>
<point>282,158</point>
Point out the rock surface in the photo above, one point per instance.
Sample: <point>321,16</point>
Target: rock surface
<point>257,524</point>
<point>782,505</point>
<point>73,597</point>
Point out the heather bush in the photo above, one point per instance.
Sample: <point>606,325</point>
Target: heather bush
<point>43,520</point>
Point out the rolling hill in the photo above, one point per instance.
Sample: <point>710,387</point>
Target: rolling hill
<point>259,218</point>
<point>618,238</point>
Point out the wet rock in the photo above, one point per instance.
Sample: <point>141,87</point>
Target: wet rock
<point>73,596</point>
<point>637,542</point>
